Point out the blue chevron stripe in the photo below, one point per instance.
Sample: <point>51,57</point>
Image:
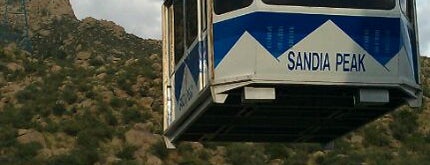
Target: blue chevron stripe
<point>278,32</point>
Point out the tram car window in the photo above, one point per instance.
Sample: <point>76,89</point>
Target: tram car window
<point>191,21</point>
<point>356,4</point>
<point>224,6</point>
<point>178,30</point>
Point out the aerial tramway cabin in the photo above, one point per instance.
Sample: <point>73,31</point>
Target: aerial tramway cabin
<point>285,70</point>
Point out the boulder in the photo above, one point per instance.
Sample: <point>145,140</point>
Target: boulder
<point>120,93</point>
<point>28,136</point>
<point>14,67</point>
<point>357,139</point>
<point>45,33</point>
<point>276,162</point>
<point>101,76</point>
<point>146,102</point>
<point>83,56</point>
<point>157,67</point>
<point>154,57</point>
<point>55,68</point>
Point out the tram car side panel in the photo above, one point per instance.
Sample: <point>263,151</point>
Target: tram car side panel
<point>263,42</point>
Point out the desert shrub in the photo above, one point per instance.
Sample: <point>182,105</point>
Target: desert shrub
<point>240,153</point>
<point>125,81</point>
<point>15,75</point>
<point>25,152</point>
<point>127,152</point>
<point>83,85</point>
<point>30,92</point>
<point>375,136</point>
<point>116,102</point>
<point>404,124</point>
<point>58,109</point>
<point>191,156</point>
<point>126,162</point>
<point>69,95</point>
<point>276,151</point>
<point>51,126</point>
<point>377,156</point>
<point>18,118</point>
<point>44,12</point>
<point>416,142</point>
<point>132,114</point>
<point>189,159</point>
<point>96,62</point>
<point>71,127</point>
<point>76,157</point>
<point>86,138</point>
<point>110,118</point>
<point>159,149</point>
<point>92,132</point>
<point>341,159</point>
<point>8,135</point>
<point>426,91</point>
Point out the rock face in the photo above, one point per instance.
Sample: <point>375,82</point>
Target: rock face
<point>44,10</point>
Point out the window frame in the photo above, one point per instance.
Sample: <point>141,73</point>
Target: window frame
<point>359,5</point>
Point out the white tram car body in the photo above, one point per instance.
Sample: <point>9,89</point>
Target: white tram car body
<point>285,70</point>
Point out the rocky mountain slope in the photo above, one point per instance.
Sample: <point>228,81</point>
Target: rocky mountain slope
<point>91,94</point>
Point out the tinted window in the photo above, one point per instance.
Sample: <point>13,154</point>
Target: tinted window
<point>191,19</point>
<point>356,4</point>
<point>224,6</point>
<point>178,8</point>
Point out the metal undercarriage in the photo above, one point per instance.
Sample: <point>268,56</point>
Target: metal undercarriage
<point>299,113</point>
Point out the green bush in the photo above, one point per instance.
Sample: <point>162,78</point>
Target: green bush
<point>92,133</point>
<point>79,156</point>
<point>18,118</point>
<point>240,153</point>
<point>27,151</point>
<point>127,152</point>
<point>116,102</point>
<point>276,151</point>
<point>110,118</point>
<point>131,115</point>
<point>58,109</point>
<point>30,92</point>
<point>8,135</point>
<point>404,124</point>
<point>159,150</point>
<point>96,62</point>
<point>71,127</point>
<point>87,139</point>
<point>69,95</point>
<point>375,136</point>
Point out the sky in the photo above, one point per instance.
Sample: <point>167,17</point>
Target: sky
<point>143,17</point>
